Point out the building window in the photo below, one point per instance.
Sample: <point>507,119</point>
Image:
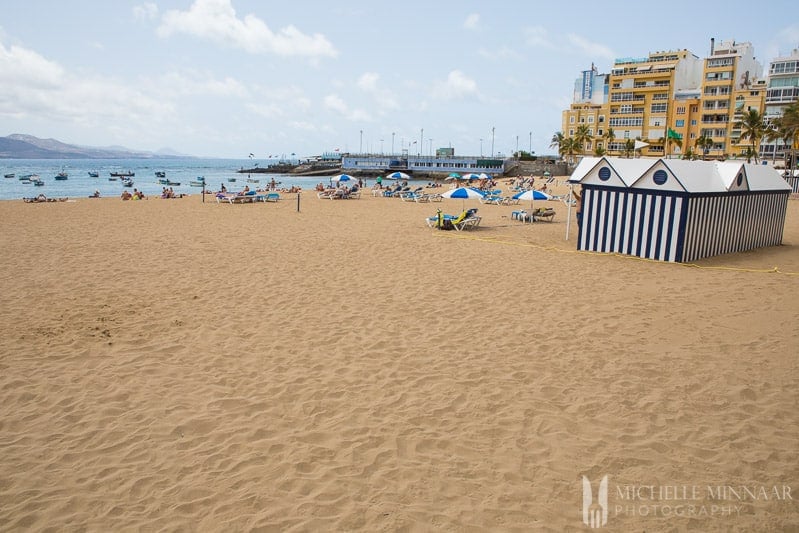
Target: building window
<point>591,119</point>
<point>693,122</point>
<point>681,110</point>
<point>679,123</point>
<point>571,119</point>
<point>658,108</point>
<point>601,119</point>
<point>571,133</point>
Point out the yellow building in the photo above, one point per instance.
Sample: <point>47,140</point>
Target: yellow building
<point>666,102</point>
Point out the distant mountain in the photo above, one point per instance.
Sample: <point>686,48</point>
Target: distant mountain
<point>19,146</point>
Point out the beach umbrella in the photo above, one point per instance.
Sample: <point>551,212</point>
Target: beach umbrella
<point>344,179</point>
<point>531,195</point>
<point>464,193</point>
<point>453,176</point>
<point>397,176</point>
<point>471,176</point>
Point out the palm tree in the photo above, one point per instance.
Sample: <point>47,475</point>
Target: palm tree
<point>752,127</point>
<point>609,136</point>
<point>581,137</point>
<point>705,144</point>
<point>787,128</point>
<point>629,147</point>
<point>568,147</point>
<point>599,151</point>
<point>557,141</point>
<point>667,140</point>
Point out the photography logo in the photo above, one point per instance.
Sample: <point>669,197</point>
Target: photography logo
<point>595,514</point>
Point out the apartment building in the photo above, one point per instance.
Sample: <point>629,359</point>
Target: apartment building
<point>670,99</point>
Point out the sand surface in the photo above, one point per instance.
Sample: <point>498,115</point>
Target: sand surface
<point>174,365</point>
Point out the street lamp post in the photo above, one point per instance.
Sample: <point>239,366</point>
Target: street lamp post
<point>492,142</point>
<point>360,146</point>
<point>481,147</point>
<point>531,143</point>
<point>392,143</point>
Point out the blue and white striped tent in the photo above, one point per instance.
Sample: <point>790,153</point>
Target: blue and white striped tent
<point>675,210</point>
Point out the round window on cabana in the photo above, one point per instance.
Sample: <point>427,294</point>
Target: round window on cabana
<point>740,178</point>
<point>660,177</point>
<point>604,173</point>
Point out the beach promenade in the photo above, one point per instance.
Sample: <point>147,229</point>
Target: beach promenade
<point>187,366</point>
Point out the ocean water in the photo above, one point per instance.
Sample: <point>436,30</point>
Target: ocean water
<point>80,185</point>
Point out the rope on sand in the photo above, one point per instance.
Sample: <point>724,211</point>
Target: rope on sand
<point>499,240</point>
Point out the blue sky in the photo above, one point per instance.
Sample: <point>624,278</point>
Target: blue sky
<point>225,78</point>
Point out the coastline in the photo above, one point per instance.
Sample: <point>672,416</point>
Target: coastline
<point>174,364</point>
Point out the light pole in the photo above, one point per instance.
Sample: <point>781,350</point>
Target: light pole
<point>381,146</point>
<point>431,147</point>
<point>392,143</point>
<point>360,146</point>
<point>531,143</point>
<point>481,147</point>
<point>517,147</point>
<point>492,142</point>
<point>421,142</point>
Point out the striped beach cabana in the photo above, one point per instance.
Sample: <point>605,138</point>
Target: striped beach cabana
<point>793,179</point>
<point>675,210</point>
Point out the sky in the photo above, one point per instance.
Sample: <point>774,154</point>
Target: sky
<point>226,78</point>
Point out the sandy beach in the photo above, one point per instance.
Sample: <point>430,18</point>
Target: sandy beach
<point>187,366</point>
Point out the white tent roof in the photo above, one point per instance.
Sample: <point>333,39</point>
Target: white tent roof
<point>678,175</point>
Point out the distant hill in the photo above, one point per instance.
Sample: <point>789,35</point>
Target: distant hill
<point>19,146</point>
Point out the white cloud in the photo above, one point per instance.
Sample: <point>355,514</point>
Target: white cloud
<point>216,20</point>
<point>457,85</point>
<point>33,86</point>
<point>472,22</point>
<point>335,103</point>
<point>502,53</point>
<point>368,82</point>
<point>145,11</point>
<point>537,36</point>
<point>590,49</point>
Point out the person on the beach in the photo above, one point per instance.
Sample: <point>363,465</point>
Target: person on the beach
<point>579,198</point>
<point>126,195</point>
<point>380,182</point>
<point>223,188</point>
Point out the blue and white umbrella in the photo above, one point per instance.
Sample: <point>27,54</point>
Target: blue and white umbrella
<point>397,176</point>
<point>464,193</point>
<point>471,176</point>
<point>531,195</point>
<point>344,179</point>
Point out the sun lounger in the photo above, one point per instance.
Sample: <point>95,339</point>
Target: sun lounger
<point>542,213</point>
<point>467,219</point>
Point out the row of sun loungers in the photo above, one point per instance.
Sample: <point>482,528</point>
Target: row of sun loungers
<point>339,194</point>
<point>247,198</point>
